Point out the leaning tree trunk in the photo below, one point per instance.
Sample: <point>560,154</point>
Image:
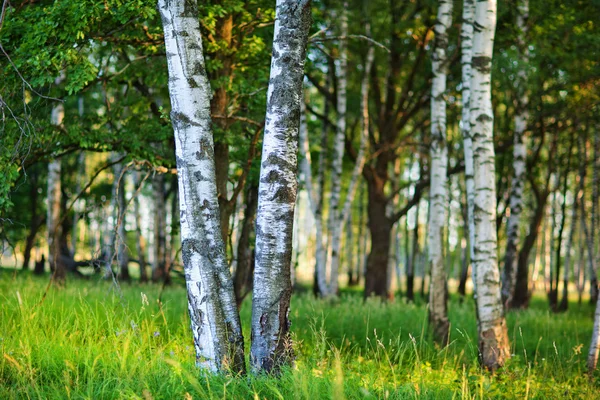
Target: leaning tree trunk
<point>335,223</point>
<point>271,341</point>
<point>519,154</point>
<point>53,225</point>
<point>438,190</point>
<point>494,348</point>
<point>215,321</point>
<point>466,35</point>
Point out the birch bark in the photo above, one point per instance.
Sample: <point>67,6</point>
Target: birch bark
<point>564,302</point>
<point>493,336</point>
<point>271,341</point>
<point>334,221</point>
<point>214,317</point>
<point>509,278</point>
<point>438,192</point>
<point>466,34</point>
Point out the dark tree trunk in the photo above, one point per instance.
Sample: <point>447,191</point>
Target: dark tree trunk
<point>158,269</point>
<point>380,226</point>
<point>522,295</point>
<point>410,268</point>
<point>242,281</point>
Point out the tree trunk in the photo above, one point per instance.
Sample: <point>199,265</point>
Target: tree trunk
<point>592,360</point>
<point>215,321</point>
<point>160,228</point>
<point>36,219</point>
<point>54,200</point>
<point>139,238</point>
<point>493,335</point>
<point>438,189</point>
<point>564,303</point>
<point>380,227</point>
<point>242,281</point>
<point>410,269</point>
<point>271,341</point>
<point>467,28</point>
<point>519,155</point>
<point>335,222</point>
<point>122,255</point>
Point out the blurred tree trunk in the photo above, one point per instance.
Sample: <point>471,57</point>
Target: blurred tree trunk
<point>160,226</point>
<point>139,238</point>
<point>122,254</point>
<point>564,303</point>
<point>494,347</point>
<point>37,220</point>
<point>54,202</point>
<point>438,189</point>
<point>271,341</point>
<point>519,155</point>
<point>215,322</point>
<point>242,281</point>
<point>466,35</point>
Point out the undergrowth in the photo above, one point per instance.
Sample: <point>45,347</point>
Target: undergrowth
<point>87,342</point>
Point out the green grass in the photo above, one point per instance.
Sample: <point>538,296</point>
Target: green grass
<point>85,342</point>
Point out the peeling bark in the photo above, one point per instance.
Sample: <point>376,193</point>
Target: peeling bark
<point>215,322</point>
<point>271,341</point>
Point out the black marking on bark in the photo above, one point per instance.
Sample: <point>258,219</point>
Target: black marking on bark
<point>482,64</point>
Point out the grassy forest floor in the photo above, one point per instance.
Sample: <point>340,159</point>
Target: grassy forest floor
<point>86,342</point>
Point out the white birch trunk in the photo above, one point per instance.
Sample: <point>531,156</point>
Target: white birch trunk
<point>509,278</point>
<point>314,198</point>
<point>438,189</point>
<point>592,360</point>
<point>334,223</point>
<point>271,342</point>
<point>213,312</point>
<point>493,336</point>
<point>466,34</point>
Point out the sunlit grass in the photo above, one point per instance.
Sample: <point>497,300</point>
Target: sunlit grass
<point>87,342</point>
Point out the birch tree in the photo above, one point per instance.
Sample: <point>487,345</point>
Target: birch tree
<point>271,341</point>
<point>519,154</point>
<point>466,34</point>
<point>493,335</point>
<point>334,224</point>
<point>214,317</point>
<point>438,196</point>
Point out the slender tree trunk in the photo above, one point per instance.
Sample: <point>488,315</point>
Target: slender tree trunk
<point>242,281</point>
<point>122,255</point>
<point>139,238</point>
<point>467,29</point>
<point>564,303</point>
<point>335,223</point>
<point>271,342</point>
<point>493,334</point>
<point>592,360</point>
<point>53,226</point>
<point>519,154</point>
<point>214,316</point>
<point>410,271</point>
<point>438,190</point>
<point>580,278</point>
<point>594,217</point>
<point>36,219</point>
<point>160,228</point>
